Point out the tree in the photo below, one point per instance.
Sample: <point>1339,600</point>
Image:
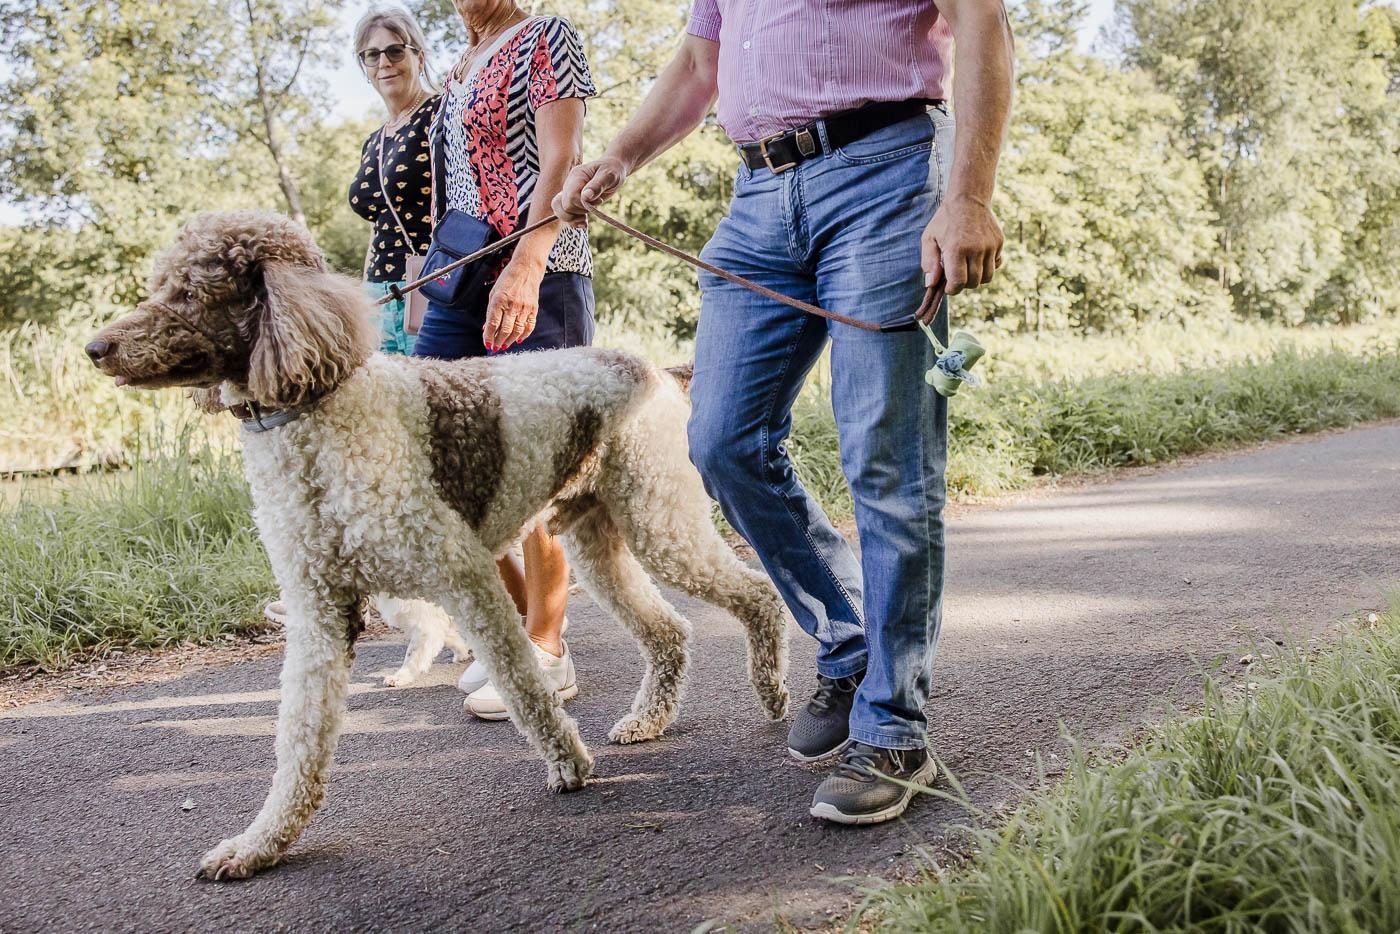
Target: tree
<point>326,160</point>
<point>113,136</point>
<point>263,84</point>
<point>1289,107</point>
<point>1104,214</point>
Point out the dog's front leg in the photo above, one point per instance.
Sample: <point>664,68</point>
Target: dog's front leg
<point>493,627</point>
<point>321,630</point>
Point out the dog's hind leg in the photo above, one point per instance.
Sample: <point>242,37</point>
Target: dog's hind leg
<point>677,542</point>
<point>616,580</point>
<point>321,632</point>
<point>479,600</point>
<point>613,577</point>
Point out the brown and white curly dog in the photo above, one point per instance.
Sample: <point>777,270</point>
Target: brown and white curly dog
<point>373,474</point>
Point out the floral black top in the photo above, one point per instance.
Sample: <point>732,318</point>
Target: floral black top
<point>406,163</point>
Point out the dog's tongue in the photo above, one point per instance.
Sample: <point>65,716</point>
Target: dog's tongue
<point>123,380</point>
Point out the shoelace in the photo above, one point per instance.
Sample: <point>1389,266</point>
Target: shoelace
<point>859,763</point>
<point>827,690</point>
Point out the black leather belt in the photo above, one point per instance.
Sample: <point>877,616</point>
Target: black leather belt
<point>782,151</point>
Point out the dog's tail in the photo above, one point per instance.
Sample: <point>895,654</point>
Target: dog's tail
<point>682,375</point>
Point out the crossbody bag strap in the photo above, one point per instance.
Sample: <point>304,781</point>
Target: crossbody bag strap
<point>384,189</point>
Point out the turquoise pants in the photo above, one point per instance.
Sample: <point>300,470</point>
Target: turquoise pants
<point>392,337</point>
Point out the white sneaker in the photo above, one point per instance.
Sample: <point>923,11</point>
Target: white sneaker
<point>476,676</point>
<point>559,674</point>
<point>276,612</point>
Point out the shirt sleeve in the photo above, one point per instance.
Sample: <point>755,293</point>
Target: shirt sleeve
<point>558,68</point>
<point>704,20</point>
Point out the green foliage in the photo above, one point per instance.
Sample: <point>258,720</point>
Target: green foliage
<point>1277,811</point>
<point>108,137</point>
<point>1292,111</point>
<point>325,163</point>
<point>1105,215</point>
<point>1241,156</point>
<point>122,120</point>
<point>160,554</point>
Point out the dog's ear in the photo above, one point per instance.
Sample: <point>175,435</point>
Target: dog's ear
<point>208,400</point>
<point>313,330</point>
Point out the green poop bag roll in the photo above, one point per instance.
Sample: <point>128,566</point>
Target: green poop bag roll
<point>955,362</point>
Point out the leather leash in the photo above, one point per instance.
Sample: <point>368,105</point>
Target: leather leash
<point>928,308</point>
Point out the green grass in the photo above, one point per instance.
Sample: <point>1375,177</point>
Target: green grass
<point>1278,810</point>
<point>1160,348</point>
<point>1011,431</point>
<point>165,552</point>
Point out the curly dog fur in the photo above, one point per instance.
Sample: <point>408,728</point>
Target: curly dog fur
<point>409,477</point>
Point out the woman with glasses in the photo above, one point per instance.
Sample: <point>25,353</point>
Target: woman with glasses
<point>509,130</point>
<point>393,188</point>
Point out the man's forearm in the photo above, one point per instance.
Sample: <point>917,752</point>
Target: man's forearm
<point>684,92</point>
<point>984,59</point>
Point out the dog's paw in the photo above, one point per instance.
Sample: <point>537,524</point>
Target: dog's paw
<point>461,657</point>
<point>233,859</point>
<point>635,729</point>
<point>401,678</point>
<point>570,774</point>
<point>774,698</point>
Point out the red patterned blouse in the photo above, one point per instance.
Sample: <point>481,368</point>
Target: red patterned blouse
<point>485,149</point>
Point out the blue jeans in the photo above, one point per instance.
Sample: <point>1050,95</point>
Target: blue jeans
<point>392,336</point>
<point>565,319</point>
<point>841,230</point>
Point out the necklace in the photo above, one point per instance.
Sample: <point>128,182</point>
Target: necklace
<point>390,126</point>
<point>464,62</point>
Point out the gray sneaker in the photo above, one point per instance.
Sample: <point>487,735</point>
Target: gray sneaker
<point>822,727</point>
<point>860,790</point>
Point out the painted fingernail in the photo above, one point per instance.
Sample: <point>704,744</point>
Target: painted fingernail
<point>928,280</point>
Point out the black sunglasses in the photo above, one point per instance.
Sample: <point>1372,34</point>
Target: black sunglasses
<point>394,53</point>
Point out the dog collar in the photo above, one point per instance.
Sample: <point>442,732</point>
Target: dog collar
<point>257,419</point>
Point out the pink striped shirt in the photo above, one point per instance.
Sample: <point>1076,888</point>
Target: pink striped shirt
<point>783,63</point>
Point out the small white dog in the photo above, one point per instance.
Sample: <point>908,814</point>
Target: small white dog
<point>429,630</point>
<point>374,474</point>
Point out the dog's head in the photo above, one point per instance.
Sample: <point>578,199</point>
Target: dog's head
<point>243,298</point>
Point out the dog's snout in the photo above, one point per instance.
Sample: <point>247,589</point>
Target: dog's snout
<point>96,350</point>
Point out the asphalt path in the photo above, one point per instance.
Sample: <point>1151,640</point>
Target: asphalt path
<point>1090,609</point>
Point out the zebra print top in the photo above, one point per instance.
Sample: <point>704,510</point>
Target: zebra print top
<point>484,140</point>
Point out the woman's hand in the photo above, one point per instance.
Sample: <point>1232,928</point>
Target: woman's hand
<point>514,304</point>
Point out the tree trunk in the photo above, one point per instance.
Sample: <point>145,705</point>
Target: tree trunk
<point>274,146</point>
<point>272,138</point>
<point>1224,236</point>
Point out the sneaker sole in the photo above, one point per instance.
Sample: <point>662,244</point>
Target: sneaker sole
<point>800,757</point>
<point>562,695</point>
<point>831,813</point>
